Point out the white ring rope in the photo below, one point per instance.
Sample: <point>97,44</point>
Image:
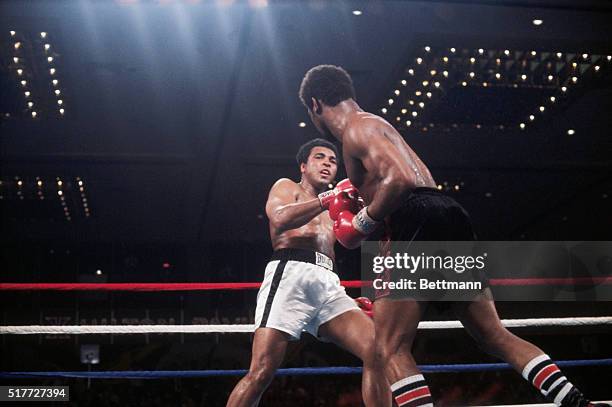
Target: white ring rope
<point>151,329</point>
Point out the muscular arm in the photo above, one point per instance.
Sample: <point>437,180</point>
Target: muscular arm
<point>284,212</point>
<point>370,144</point>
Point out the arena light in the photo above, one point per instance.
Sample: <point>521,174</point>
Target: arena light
<point>596,67</point>
<point>498,75</point>
<point>52,71</point>
<point>397,92</point>
<point>12,33</point>
<point>384,110</point>
<point>61,111</point>
<point>522,126</point>
<point>419,60</point>
<point>428,94</point>
<point>585,56</point>
<point>418,93</point>
<point>571,132</point>
<point>411,71</point>
<point>404,82</point>
<point>301,124</point>
<point>357,12</point>
<point>60,102</point>
<point>550,78</point>
<point>437,84</point>
<point>537,22</point>
<point>30,104</point>
<point>559,54</point>
<point>16,60</point>
<point>47,46</point>
<point>452,50</point>
<point>49,59</point>
<point>531,117</point>
<point>414,114</point>
<point>17,45</point>
<point>427,48</point>
<point>574,79</point>
<point>54,82</point>
<point>464,83</point>
<point>24,83</point>
<point>552,99</point>
<point>507,52</point>
<point>408,123</point>
<point>421,105</point>
<point>472,60</point>
<point>563,89</point>
<point>43,35</point>
<point>533,53</point>
<point>390,102</point>
<point>481,51</point>
<point>27,93</point>
<point>19,71</point>
<point>445,74</point>
<point>542,108</point>
<point>425,83</point>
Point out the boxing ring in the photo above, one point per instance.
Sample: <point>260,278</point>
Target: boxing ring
<point>562,322</point>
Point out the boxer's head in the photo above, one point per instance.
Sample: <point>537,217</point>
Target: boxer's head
<point>325,86</point>
<point>318,161</point>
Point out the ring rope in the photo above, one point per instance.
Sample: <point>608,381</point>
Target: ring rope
<point>246,328</point>
<point>297,371</point>
<point>587,281</point>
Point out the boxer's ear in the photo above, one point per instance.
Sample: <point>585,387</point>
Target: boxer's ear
<point>302,168</point>
<point>316,106</point>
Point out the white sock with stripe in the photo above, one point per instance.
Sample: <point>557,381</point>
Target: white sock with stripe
<point>548,378</point>
<point>412,391</point>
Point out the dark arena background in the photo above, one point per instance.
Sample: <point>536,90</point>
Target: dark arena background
<point>140,138</point>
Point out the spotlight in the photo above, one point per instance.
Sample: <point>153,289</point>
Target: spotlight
<point>23,83</point>
<point>464,83</point>
<point>301,124</point>
<point>563,89</point>
<point>537,22</point>
<point>98,272</point>
<point>357,12</point>
<point>427,49</point>
<point>481,51</point>
<point>16,60</point>
<point>596,68</point>
<point>34,114</point>
<point>445,59</point>
<point>404,111</point>
<point>574,79</point>
<point>432,72</point>
<point>43,35</point>
<point>411,71</point>
<point>397,92</point>
<point>533,53</point>
<point>428,94</point>
<point>585,56</point>
<point>30,104</point>
<point>524,77</point>
<point>425,83</point>
<point>472,74</point>
<point>27,93</point>
<point>60,193</point>
<point>49,59</point>
<point>417,93</point>
<point>54,82</point>
<point>498,75</point>
<point>421,105</point>
<point>571,132</point>
<point>522,125</point>
<point>60,102</point>
<point>419,60</point>
<point>550,78</point>
<point>472,60</point>
<point>61,111</point>
<point>452,50</point>
<point>408,122</point>
<point>52,71</point>
<point>437,84</point>
<point>20,72</point>
<point>414,114</point>
<point>384,110</point>
<point>507,52</point>
<point>47,46</point>
<point>445,73</point>
<point>552,99</point>
<point>404,82</point>
<point>542,108</point>
<point>12,33</point>
<point>559,55</point>
<point>57,91</point>
<point>531,117</point>
<point>390,102</point>
<point>17,45</point>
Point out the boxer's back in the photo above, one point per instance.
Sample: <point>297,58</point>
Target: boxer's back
<point>367,133</point>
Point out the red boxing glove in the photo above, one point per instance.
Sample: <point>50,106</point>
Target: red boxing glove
<point>351,229</point>
<point>327,197</point>
<point>365,305</point>
<point>344,202</point>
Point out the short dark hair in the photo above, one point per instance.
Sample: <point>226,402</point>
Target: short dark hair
<point>306,148</point>
<point>328,83</point>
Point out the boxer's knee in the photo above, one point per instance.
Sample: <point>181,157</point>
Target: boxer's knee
<point>260,377</point>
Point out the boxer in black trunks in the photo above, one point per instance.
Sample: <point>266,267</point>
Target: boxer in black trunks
<point>396,185</point>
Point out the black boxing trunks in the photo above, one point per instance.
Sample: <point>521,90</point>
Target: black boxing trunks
<point>426,215</point>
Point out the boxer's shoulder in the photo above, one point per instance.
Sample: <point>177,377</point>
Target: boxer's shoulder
<point>284,184</point>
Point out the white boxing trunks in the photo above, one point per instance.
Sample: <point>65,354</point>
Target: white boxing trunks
<point>300,292</point>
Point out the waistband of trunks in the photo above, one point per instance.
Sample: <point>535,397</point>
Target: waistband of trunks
<point>305,256</point>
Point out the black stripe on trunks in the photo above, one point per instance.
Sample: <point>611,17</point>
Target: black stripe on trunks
<point>278,274</point>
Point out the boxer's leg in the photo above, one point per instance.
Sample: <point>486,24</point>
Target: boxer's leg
<point>269,346</point>
<point>482,322</point>
<point>354,331</point>
<point>396,323</point>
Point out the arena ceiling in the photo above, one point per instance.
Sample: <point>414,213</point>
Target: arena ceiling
<point>178,116</point>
